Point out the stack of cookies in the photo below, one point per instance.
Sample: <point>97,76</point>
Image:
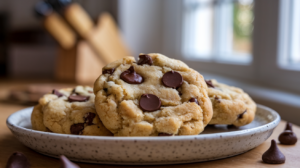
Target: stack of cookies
<point>155,96</point>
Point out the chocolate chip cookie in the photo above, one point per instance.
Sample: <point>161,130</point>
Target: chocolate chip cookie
<point>231,105</point>
<point>155,96</point>
<point>68,111</point>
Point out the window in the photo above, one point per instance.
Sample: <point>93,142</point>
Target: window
<point>251,40</point>
<point>218,30</point>
<point>289,54</point>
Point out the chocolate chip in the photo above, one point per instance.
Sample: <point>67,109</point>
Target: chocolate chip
<point>149,102</point>
<point>287,137</point>
<point>180,94</point>
<point>108,71</point>
<point>57,93</point>
<point>209,84</point>
<point>289,126</point>
<point>273,155</point>
<point>77,98</point>
<point>77,128</point>
<point>164,134</point>
<point>194,100</point>
<point>66,163</point>
<point>17,160</point>
<point>217,99</point>
<point>105,90</point>
<point>131,77</point>
<point>172,79</point>
<point>89,117</point>
<point>145,59</point>
<point>240,116</point>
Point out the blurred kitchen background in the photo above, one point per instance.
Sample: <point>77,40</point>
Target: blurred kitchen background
<point>251,44</point>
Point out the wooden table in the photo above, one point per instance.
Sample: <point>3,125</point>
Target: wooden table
<point>9,144</point>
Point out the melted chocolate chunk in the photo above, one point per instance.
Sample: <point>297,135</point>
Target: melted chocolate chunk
<point>172,79</point>
<point>57,93</point>
<point>287,137</point>
<point>108,71</point>
<point>131,77</point>
<point>289,126</point>
<point>89,117</point>
<point>17,160</point>
<point>273,155</point>
<point>194,100</point>
<point>66,163</point>
<point>164,134</point>
<point>149,102</point>
<point>209,83</point>
<point>240,116</point>
<point>77,128</point>
<point>145,59</point>
<point>77,98</point>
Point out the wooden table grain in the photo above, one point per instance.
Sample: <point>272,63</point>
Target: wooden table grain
<point>9,144</point>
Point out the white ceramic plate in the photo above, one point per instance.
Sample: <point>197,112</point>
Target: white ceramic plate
<point>215,142</point>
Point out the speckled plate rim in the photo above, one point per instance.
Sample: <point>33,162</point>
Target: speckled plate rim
<point>12,125</point>
<point>148,163</point>
<point>266,127</point>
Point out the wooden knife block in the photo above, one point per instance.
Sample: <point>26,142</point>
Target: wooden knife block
<point>84,62</point>
<point>79,64</point>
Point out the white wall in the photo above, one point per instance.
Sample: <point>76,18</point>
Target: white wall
<point>141,23</point>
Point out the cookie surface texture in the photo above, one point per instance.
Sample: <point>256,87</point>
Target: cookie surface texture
<point>231,105</point>
<point>68,111</point>
<point>152,96</point>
